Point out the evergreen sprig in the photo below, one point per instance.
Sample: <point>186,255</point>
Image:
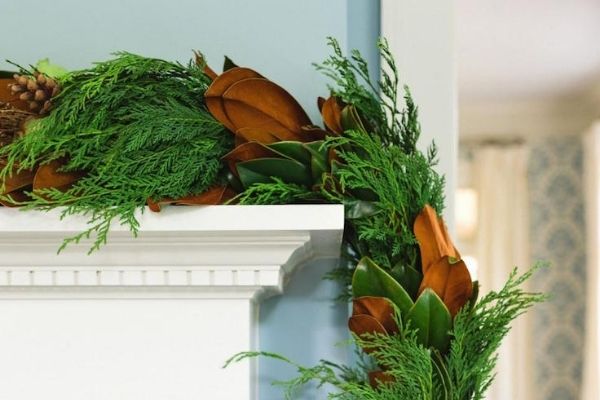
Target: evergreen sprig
<point>139,130</point>
<point>378,103</point>
<point>381,164</point>
<point>477,335</point>
<point>402,184</point>
<point>469,365</point>
<point>276,192</point>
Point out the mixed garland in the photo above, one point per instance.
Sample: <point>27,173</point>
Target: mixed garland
<point>132,132</point>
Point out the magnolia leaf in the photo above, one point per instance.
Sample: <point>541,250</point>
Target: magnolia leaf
<point>355,209</point>
<point>433,238</point>
<point>320,103</point>
<point>258,102</point>
<point>474,295</point>
<point>332,115</point>
<point>351,120</point>
<point>362,323</point>
<point>432,320</point>
<point>451,281</point>
<point>377,378</point>
<point>250,151</point>
<point>13,199</point>
<point>319,162</point>
<point>16,180</point>
<point>213,196</point>
<point>408,277</point>
<point>247,151</point>
<point>379,308</point>
<point>371,280</point>
<point>293,150</point>
<point>314,133</point>
<point>214,93</point>
<point>228,64</point>
<point>365,194</point>
<point>234,182</point>
<point>253,134</point>
<point>48,176</point>
<point>261,170</point>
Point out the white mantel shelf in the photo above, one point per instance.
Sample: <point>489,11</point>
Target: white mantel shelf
<point>152,317</point>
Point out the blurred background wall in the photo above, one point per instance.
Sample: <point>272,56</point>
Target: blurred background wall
<point>529,79</point>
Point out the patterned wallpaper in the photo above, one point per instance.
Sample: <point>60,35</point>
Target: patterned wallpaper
<point>558,235</point>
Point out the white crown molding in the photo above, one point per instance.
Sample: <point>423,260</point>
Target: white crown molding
<point>151,317</point>
<point>211,251</point>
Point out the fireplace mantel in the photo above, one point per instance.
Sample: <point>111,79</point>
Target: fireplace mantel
<point>152,317</point>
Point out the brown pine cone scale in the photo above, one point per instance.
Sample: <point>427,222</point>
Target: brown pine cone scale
<point>37,90</point>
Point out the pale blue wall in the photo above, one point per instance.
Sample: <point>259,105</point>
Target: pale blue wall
<point>279,38</point>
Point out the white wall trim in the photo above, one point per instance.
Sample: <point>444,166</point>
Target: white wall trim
<point>184,293</point>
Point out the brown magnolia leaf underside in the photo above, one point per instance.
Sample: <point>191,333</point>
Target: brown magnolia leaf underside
<point>377,378</point>
<point>257,100</point>
<point>18,180</point>
<point>332,115</point>
<point>18,196</point>
<point>214,93</point>
<point>241,115</point>
<point>48,176</point>
<point>433,238</point>
<point>213,196</point>
<point>365,324</point>
<point>245,152</point>
<point>451,282</point>
<point>253,134</point>
<point>379,308</point>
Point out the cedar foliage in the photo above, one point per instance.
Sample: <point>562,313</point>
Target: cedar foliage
<point>469,365</point>
<point>138,128</point>
<point>381,165</point>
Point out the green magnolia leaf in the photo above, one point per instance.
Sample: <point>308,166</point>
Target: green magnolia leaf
<point>408,277</point>
<point>228,64</point>
<point>234,182</point>
<point>292,150</point>
<point>355,209</point>
<point>6,74</point>
<point>433,322</point>
<point>351,120</point>
<point>319,159</point>
<point>52,70</point>
<point>260,170</point>
<point>371,280</point>
<point>474,296</point>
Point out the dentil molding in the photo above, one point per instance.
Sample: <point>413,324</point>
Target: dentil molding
<point>213,251</point>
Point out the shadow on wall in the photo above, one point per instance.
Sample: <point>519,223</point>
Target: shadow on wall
<point>313,328</point>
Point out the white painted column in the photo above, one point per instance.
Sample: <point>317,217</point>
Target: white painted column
<point>151,318</point>
<point>421,35</point>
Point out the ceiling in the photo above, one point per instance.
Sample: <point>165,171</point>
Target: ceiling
<point>526,50</point>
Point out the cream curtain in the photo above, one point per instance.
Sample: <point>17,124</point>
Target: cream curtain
<point>591,390</point>
<point>499,175</point>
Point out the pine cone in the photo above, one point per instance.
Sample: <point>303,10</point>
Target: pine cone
<point>37,89</point>
<point>11,123</point>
